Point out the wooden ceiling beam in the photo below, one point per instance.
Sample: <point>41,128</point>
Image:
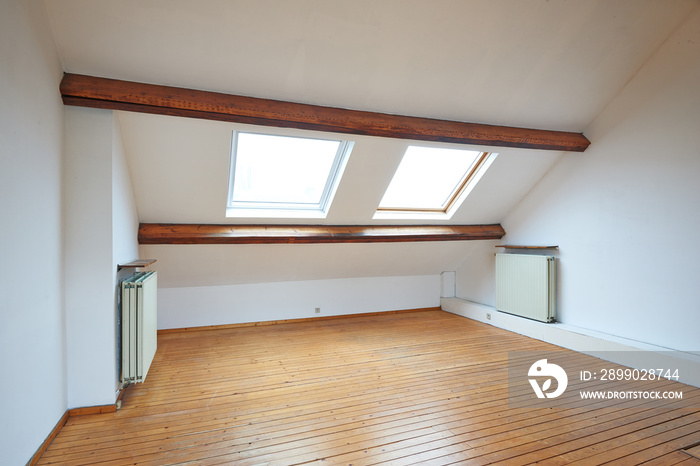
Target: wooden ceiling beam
<point>89,91</point>
<point>168,233</point>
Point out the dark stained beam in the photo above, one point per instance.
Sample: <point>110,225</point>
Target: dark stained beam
<point>88,91</point>
<point>169,233</point>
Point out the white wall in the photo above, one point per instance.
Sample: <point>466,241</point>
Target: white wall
<point>625,212</point>
<point>125,227</point>
<point>100,231</point>
<point>88,242</point>
<point>211,284</point>
<point>125,222</point>
<point>217,305</point>
<point>475,276</point>
<point>32,344</point>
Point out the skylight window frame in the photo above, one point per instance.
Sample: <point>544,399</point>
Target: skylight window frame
<point>265,209</point>
<point>462,189</point>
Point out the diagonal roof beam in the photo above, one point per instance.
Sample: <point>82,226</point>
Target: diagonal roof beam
<point>89,91</point>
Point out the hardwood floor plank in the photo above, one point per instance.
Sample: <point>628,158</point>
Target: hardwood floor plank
<point>407,388</point>
<point>668,459</point>
<point>555,445</point>
<point>639,444</point>
<point>668,452</point>
<point>447,387</point>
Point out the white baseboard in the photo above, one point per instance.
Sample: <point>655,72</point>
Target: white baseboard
<point>639,355</point>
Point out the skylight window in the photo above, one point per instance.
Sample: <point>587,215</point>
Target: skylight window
<point>282,176</point>
<point>432,182</point>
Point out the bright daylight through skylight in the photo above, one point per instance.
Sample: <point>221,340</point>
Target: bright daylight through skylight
<point>271,173</point>
<point>431,180</point>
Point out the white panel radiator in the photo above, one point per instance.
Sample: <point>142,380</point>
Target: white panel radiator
<point>526,285</point>
<point>139,329</point>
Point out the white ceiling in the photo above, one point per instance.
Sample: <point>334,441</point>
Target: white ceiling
<point>549,64</point>
<point>552,64</point>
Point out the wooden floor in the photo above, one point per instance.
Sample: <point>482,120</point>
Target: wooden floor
<point>410,388</point>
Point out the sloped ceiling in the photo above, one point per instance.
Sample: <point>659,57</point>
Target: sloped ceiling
<point>547,64</point>
<point>551,64</point>
<point>179,169</point>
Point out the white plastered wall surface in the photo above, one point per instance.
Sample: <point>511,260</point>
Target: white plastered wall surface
<point>32,334</point>
<point>622,212</point>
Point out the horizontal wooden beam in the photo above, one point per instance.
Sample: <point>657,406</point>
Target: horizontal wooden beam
<point>88,91</point>
<point>168,233</point>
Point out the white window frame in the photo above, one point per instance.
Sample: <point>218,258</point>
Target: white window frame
<point>254,209</point>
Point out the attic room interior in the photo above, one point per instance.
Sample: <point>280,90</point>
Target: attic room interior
<point>356,321</point>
